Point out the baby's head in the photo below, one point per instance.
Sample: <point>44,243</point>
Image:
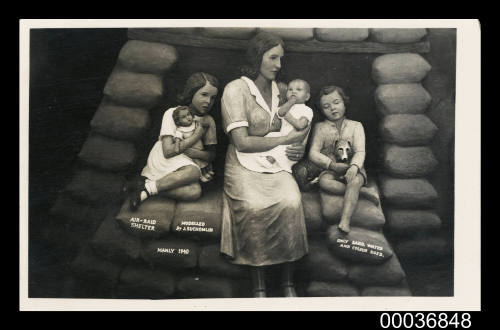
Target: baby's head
<point>299,89</point>
<point>182,116</point>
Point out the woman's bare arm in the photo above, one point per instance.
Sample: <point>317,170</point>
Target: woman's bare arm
<point>249,143</point>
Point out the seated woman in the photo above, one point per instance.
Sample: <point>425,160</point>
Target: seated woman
<point>170,168</point>
<point>263,219</point>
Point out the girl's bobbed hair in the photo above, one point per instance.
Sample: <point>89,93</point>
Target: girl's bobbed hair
<point>328,90</point>
<point>193,84</point>
<point>257,46</point>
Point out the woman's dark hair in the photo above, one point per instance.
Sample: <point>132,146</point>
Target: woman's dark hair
<point>328,90</point>
<point>177,112</point>
<point>193,84</point>
<point>257,46</point>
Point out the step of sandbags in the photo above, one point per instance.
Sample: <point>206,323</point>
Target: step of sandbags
<point>360,245</point>
<point>320,264</point>
<point>153,218</point>
<point>89,267</point>
<point>408,99</point>
<point>68,211</point>
<point>407,193</point>
<point>205,286</point>
<point>366,214</point>
<point>229,33</point>
<point>299,34</point>
<point>147,57</point>
<point>389,273</point>
<point>407,130</point>
<point>199,220</point>
<point>134,89</point>
<point>112,243</point>
<point>171,253</point>
<point>140,282</point>
<point>212,262</point>
<point>312,212</point>
<point>331,289</point>
<point>120,122</point>
<point>340,35</point>
<point>411,222</point>
<point>107,153</point>
<point>399,68</point>
<point>409,162</point>
<point>422,249</point>
<point>95,186</point>
<point>397,36</point>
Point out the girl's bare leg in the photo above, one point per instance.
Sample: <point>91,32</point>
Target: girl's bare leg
<point>329,184</point>
<point>350,201</point>
<point>190,192</point>
<point>183,176</point>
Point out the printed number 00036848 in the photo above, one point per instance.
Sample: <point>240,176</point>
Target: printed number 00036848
<point>421,320</point>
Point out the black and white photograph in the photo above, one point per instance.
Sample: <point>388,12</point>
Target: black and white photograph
<point>214,164</point>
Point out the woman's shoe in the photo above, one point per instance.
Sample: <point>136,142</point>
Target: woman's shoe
<point>289,291</point>
<point>259,294</point>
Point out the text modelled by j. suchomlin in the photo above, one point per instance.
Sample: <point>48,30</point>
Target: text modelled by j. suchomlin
<point>145,224</point>
<point>362,247</point>
<point>194,226</point>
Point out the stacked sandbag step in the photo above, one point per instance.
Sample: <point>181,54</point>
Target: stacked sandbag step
<point>361,263</point>
<point>407,160</point>
<point>109,154</point>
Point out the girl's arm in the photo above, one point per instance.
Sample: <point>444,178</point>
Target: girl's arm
<point>358,157</point>
<point>207,155</point>
<point>172,147</point>
<point>318,137</point>
<point>249,143</point>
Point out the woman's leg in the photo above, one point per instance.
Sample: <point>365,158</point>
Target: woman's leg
<point>287,282</point>
<point>350,202</point>
<point>258,282</point>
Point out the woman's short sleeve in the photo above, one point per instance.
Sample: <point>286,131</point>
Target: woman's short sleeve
<point>233,105</point>
<point>168,125</point>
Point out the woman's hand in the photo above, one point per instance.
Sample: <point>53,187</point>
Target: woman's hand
<point>351,173</point>
<point>295,152</point>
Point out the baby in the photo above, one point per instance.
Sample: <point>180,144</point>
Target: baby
<point>296,115</point>
<point>185,126</point>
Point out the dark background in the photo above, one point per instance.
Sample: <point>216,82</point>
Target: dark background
<point>68,71</point>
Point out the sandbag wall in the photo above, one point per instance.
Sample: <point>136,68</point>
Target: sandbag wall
<point>407,160</point>
<point>109,154</point>
<point>170,249</point>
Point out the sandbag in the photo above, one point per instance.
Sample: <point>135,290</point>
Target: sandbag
<point>422,249</point>
<point>295,34</point>
<point>402,99</point>
<point>112,243</point>
<point>170,253</point>
<point>73,213</point>
<point>360,245</point>
<point>138,282</point>
<point>399,68</point>
<point>152,219</point>
<point>396,36</point>
<point>229,33</point>
<point>204,286</point>
<point>407,193</point>
<point>108,153</point>
<point>410,222</point>
<point>95,186</point>
<point>147,57</point>
<point>388,273</point>
<point>386,291</point>
<point>312,212</point>
<point>409,162</point>
<point>88,266</point>
<point>212,262</point>
<point>407,130</point>
<point>366,214</point>
<point>199,220</point>
<point>134,89</point>
<point>321,265</point>
<point>339,35</point>
<point>331,289</point>
<point>120,122</point>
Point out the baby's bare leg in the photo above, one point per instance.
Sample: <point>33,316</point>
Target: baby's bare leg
<point>350,201</point>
